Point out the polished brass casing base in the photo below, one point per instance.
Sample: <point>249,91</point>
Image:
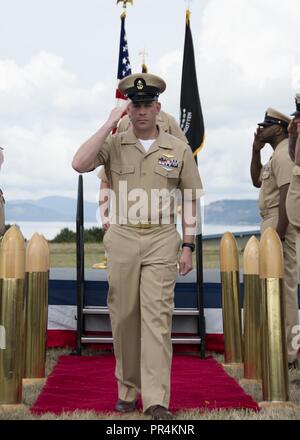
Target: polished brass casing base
<point>250,381</point>
<point>30,382</point>
<point>36,324</point>
<point>11,408</point>
<point>278,405</point>
<point>236,366</point>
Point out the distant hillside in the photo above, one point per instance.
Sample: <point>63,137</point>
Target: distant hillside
<point>230,212</point>
<point>49,209</point>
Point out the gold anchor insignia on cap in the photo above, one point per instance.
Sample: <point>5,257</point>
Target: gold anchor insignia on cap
<point>140,84</point>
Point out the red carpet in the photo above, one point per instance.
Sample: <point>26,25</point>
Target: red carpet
<point>88,383</point>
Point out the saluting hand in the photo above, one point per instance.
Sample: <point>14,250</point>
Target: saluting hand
<point>297,149</point>
<point>1,157</point>
<point>257,143</point>
<point>185,261</point>
<point>116,114</point>
<point>106,226</point>
<point>294,128</point>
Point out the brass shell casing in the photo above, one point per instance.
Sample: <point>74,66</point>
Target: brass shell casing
<point>36,324</point>
<point>274,352</point>
<point>231,312</point>
<point>252,327</point>
<point>12,313</point>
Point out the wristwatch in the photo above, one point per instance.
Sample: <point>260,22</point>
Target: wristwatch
<point>189,245</point>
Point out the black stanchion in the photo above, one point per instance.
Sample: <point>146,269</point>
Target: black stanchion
<point>200,295</point>
<point>80,265</point>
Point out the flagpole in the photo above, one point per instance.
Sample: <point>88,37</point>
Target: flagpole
<point>199,251</point>
<point>193,126</point>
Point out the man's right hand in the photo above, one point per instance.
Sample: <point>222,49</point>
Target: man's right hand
<point>1,157</point>
<point>294,128</point>
<point>106,226</point>
<point>257,143</point>
<point>116,114</point>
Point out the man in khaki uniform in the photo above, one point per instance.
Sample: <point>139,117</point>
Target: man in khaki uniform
<point>274,179</point>
<point>293,196</point>
<point>2,201</point>
<point>167,123</point>
<point>142,247</point>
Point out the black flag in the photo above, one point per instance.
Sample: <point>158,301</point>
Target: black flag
<point>191,118</point>
<point>193,127</point>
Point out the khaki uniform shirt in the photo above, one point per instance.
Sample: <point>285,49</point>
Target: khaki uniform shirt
<point>2,217</point>
<point>163,119</point>
<point>276,173</point>
<point>293,199</point>
<point>168,164</point>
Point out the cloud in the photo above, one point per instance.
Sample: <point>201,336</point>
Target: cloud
<point>45,114</point>
<point>247,52</point>
<point>247,59</point>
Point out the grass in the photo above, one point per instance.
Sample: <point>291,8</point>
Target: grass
<point>31,393</point>
<point>64,255</point>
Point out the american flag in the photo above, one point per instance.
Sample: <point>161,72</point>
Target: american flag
<point>124,68</point>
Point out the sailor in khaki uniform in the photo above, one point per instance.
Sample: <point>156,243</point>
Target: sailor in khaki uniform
<point>142,246</point>
<point>2,201</point>
<point>293,197</point>
<point>273,179</point>
<point>167,123</point>
<point>2,216</point>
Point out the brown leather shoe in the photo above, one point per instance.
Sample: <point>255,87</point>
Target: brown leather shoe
<point>125,407</point>
<point>158,412</point>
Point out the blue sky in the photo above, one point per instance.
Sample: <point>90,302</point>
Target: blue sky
<point>58,65</point>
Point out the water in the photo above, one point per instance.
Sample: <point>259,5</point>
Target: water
<point>51,229</point>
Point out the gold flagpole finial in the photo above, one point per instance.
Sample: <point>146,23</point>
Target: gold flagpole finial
<point>188,11</point>
<point>124,6</point>
<point>143,54</point>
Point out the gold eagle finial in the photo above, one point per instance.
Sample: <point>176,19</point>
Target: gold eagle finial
<point>124,6</point>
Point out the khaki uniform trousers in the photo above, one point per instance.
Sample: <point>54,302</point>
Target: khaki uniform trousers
<point>142,271</point>
<point>290,281</point>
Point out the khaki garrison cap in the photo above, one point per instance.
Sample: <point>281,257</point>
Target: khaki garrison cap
<point>142,87</point>
<point>297,100</point>
<point>272,117</point>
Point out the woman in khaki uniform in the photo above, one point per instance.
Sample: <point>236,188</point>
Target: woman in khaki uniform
<point>274,179</point>
<point>142,248</point>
